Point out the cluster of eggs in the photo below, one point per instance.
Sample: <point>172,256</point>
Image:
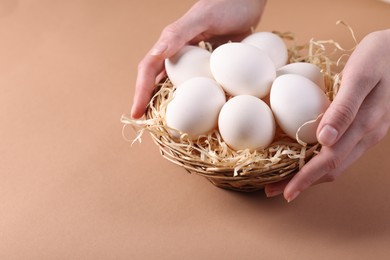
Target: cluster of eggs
<point>263,91</point>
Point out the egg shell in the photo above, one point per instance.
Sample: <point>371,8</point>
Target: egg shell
<point>242,69</point>
<point>272,44</point>
<point>308,70</point>
<point>246,122</point>
<point>296,100</point>
<point>189,62</point>
<point>195,107</point>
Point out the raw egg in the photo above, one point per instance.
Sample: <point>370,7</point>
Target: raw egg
<point>272,44</point>
<point>242,69</point>
<point>308,70</point>
<point>195,107</point>
<point>296,100</point>
<point>246,122</point>
<point>189,62</point>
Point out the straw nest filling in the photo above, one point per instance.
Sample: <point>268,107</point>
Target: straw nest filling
<point>243,170</point>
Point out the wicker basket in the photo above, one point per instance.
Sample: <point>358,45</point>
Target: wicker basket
<point>211,158</point>
<point>225,177</point>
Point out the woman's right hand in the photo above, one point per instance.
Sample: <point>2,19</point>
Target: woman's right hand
<point>216,21</point>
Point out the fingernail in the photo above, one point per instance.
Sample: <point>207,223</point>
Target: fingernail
<point>273,193</point>
<point>158,49</point>
<point>133,113</point>
<point>293,196</point>
<point>328,135</point>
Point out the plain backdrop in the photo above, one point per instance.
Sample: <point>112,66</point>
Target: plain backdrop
<point>72,188</point>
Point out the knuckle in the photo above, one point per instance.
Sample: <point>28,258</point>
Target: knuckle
<point>367,125</point>
<point>172,31</point>
<point>329,178</point>
<point>306,179</point>
<point>375,138</point>
<point>362,79</point>
<point>344,113</point>
<point>373,120</point>
<point>383,131</point>
<point>171,28</point>
<point>307,182</point>
<point>142,64</point>
<point>332,163</point>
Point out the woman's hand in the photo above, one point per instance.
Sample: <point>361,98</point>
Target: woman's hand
<point>357,119</point>
<point>216,21</point>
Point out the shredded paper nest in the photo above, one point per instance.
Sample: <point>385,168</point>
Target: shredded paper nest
<point>244,170</point>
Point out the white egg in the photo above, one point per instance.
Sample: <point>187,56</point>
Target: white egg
<point>308,70</point>
<point>242,69</point>
<point>189,62</point>
<point>195,107</point>
<point>296,100</point>
<point>246,122</point>
<point>272,44</point>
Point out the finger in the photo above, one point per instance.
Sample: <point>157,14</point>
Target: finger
<point>329,160</point>
<point>172,38</point>
<point>369,127</point>
<point>315,169</point>
<point>148,69</point>
<point>342,111</point>
<point>371,123</point>
<point>367,142</point>
<point>217,40</point>
<point>358,81</point>
<point>275,189</point>
<point>176,35</point>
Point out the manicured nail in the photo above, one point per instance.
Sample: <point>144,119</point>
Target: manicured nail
<point>293,196</point>
<point>328,135</point>
<point>158,49</point>
<point>273,193</point>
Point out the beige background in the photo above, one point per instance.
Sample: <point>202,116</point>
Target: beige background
<point>72,188</point>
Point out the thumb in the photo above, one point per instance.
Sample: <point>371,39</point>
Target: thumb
<point>171,40</point>
<point>342,111</point>
<point>177,34</point>
<point>359,78</point>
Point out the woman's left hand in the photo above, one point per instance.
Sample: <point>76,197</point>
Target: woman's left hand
<point>357,119</point>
